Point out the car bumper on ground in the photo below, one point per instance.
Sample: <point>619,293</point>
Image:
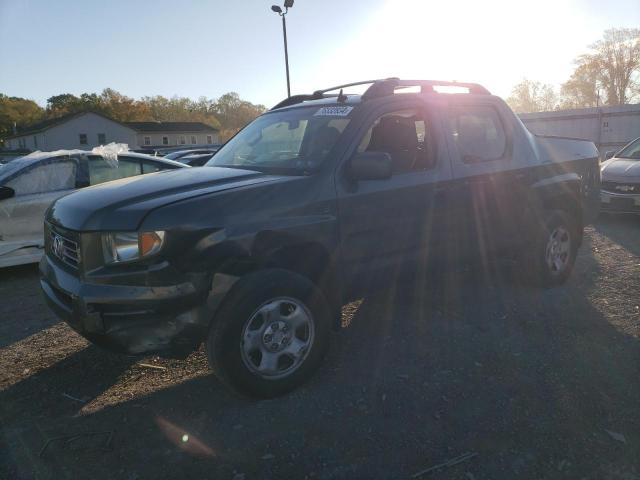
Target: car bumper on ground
<point>170,319</point>
<point>619,203</point>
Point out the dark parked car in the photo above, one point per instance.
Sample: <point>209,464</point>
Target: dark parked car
<point>196,160</point>
<point>621,180</point>
<point>314,202</point>
<point>180,154</point>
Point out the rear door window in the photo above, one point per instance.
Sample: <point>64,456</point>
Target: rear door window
<point>100,171</point>
<point>478,133</point>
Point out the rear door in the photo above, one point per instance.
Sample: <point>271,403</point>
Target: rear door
<point>388,224</point>
<point>488,202</point>
<point>36,187</point>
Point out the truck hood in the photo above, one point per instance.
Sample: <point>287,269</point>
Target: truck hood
<point>620,169</point>
<point>123,204</point>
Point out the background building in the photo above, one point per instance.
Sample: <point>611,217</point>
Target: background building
<point>165,134</point>
<point>610,128</point>
<point>86,130</point>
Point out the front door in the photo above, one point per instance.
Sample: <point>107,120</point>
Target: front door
<point>22,216</point>
<point>387,224</point>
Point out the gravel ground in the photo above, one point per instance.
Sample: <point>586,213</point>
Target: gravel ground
<point>534,384</point>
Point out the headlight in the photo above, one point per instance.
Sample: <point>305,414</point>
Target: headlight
<point>122,247</point>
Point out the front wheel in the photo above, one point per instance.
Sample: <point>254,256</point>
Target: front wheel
<point>270,333</point>
<point>550,259</point>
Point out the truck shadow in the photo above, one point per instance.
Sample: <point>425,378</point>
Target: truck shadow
<point>25,318</point>
<point>621,229</point>
<point>528,379</point>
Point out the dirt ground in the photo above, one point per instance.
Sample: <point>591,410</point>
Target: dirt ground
<point>532,384</point>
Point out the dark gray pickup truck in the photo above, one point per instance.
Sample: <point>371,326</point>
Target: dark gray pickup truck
<point>320,199</point>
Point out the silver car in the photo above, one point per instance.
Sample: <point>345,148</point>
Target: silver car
<point>28,185</point>
<point>620,191</point>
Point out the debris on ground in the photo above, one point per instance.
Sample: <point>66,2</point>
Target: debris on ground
<point>68,439</point>
<point>155,367</point>
<point>616,436</point>
<point>449,463</point>
<point>71,397</point>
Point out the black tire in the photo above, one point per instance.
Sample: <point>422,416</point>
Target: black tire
<point>226,335</point>
<point>537,267</point>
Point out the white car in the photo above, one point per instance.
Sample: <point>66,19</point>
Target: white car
<point>28,185</point>
<point>620,190</point>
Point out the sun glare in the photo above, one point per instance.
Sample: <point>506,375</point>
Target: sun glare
<point>494,42</point>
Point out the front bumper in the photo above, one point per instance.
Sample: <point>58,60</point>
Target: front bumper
<point>619,203</point>
<point>169,319</point>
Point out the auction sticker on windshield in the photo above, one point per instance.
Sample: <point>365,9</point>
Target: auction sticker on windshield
<point>333,112</point>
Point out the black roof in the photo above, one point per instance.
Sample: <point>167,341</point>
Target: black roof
<point>52,122</point>
<point>378,88</point>
<point>170,126</point>
<point>138,126</point>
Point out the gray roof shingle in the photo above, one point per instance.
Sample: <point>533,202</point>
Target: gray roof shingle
<point>138,126</point>
<point>170,126</point>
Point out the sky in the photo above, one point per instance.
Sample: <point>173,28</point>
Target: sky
<point>206,48</point>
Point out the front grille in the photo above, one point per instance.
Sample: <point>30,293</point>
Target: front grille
<point>621,188</point>
<point>621,204</point>
<point>64,248</point>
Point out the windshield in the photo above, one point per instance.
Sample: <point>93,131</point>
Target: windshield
<point>293,141</point>
<point>631,151</point>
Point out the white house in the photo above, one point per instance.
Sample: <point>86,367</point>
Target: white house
<point>86,130</point>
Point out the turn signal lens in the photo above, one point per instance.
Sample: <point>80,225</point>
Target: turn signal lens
<point>150,242</point>
<point>119,247</point>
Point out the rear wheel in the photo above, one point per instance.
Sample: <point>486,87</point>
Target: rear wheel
<point>550,259</point>
<point>270,333</point>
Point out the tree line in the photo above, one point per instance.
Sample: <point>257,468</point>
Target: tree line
<point>228,113</point>
<point>608,74</point>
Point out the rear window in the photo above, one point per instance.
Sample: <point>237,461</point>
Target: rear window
<point>478,132</point>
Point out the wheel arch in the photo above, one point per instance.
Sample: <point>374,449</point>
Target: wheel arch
<point>270,249</point>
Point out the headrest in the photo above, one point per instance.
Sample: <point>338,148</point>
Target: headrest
<point>393,133</point>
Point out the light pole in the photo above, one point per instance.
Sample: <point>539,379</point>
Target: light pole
<point>287,5</point>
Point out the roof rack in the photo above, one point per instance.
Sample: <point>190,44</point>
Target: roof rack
<point>385,87</point>
<point>390,85</point>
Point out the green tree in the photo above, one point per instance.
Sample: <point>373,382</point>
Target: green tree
<point>234,113</point>
<point>17,112</point>
<point>63,104</point>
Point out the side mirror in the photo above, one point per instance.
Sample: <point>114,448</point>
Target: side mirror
<point>370,166</point>
<point>609,154</point>
<point>7,192</point>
